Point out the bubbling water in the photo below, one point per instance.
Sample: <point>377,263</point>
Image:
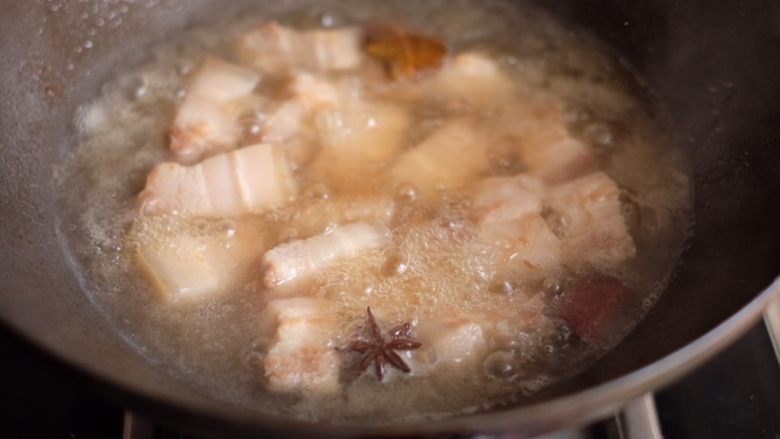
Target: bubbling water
<point>436,263</point>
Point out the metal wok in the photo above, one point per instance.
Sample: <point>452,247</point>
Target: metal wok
<point>713,65</point>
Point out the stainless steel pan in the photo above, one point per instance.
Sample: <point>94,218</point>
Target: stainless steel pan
<point>714,66</point>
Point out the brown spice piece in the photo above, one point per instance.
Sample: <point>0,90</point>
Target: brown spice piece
<point>402,52</point>
<point>380,351</point>
<point>593,305</point>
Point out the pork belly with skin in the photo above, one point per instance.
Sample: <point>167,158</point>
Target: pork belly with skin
<point>450,158</point>
<point>536,123</point>
<point>304,95</point>
<point>357,138</point>
<point>207,122</point>
<point>474,79</point>
<point>289,268</point>
<point>302,357</point>
<point>248,180</point>
<point>362,131</point>
<point>508,211</point>
<point>547,148</point>
<point>468,79</point>
<point>183,263</point>
<point>537,251</point>
<point>454,339</point>
<point>577,224</point>
<point>274,48</point>
<point>447,341</point>
<point>590,221</point>
<point>498,202</point>
<point>552,154</point>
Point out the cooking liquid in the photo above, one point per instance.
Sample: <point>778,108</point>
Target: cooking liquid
<point>436,265</point>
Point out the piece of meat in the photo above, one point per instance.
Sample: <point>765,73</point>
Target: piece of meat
<point>522,318</point>
<point>467,81</point>
<point>361,131</point>
<point>464,341</point>
<point>302,357</point>
<point>508,210</point>
<point>552,154</point>
<point>536,252</point>
<point>248,180</point>
<point>590,222</point>
<point>182,263</point>
<point>595,306</point>
<point>304,95</point>
<point>474,79</point>
<point>289,267</point>
<point>356,139</point>
<point>453,156</point>
<point>274,48</point>
<point>207,121</point>
<point>453,341</point>
<point>177,270</point>
<point>535,132</point>
<point>499,202</point>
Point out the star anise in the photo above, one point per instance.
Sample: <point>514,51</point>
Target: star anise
<point>380,350</point>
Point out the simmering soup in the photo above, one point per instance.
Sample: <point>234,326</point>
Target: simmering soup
<point>360,210</point>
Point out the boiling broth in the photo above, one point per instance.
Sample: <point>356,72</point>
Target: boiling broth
<point>436,263</point>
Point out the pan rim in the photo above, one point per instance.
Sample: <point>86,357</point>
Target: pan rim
<point>557,413</point>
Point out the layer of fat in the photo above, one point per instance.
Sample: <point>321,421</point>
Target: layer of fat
<point>186,260</point>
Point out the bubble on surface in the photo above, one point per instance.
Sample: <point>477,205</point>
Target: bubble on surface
<point>443,269</point>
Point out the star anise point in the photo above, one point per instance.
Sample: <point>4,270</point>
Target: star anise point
<point>380,350</point>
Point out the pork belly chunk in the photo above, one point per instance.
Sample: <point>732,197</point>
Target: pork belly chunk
<point>184,265</point>
<point>360,131</point>
<point>591,223</point>
<point>533,130</point>
<point>452,157</point>
<point>547,148</point>
<point>304,94</point>
<point>453,340</point>
<point>465,340</point>
<point>473,78</point>
<point>357,137</point>
<point>274,48</point>
<point>508,210</point>
<point>537,251</point>
<point>179,270</point>
<point>207,121</point>
<point>499,202</point>
<point>248,180</point>
<point>289,268</point>
<point>301,357</point>
<point>552,154</point>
